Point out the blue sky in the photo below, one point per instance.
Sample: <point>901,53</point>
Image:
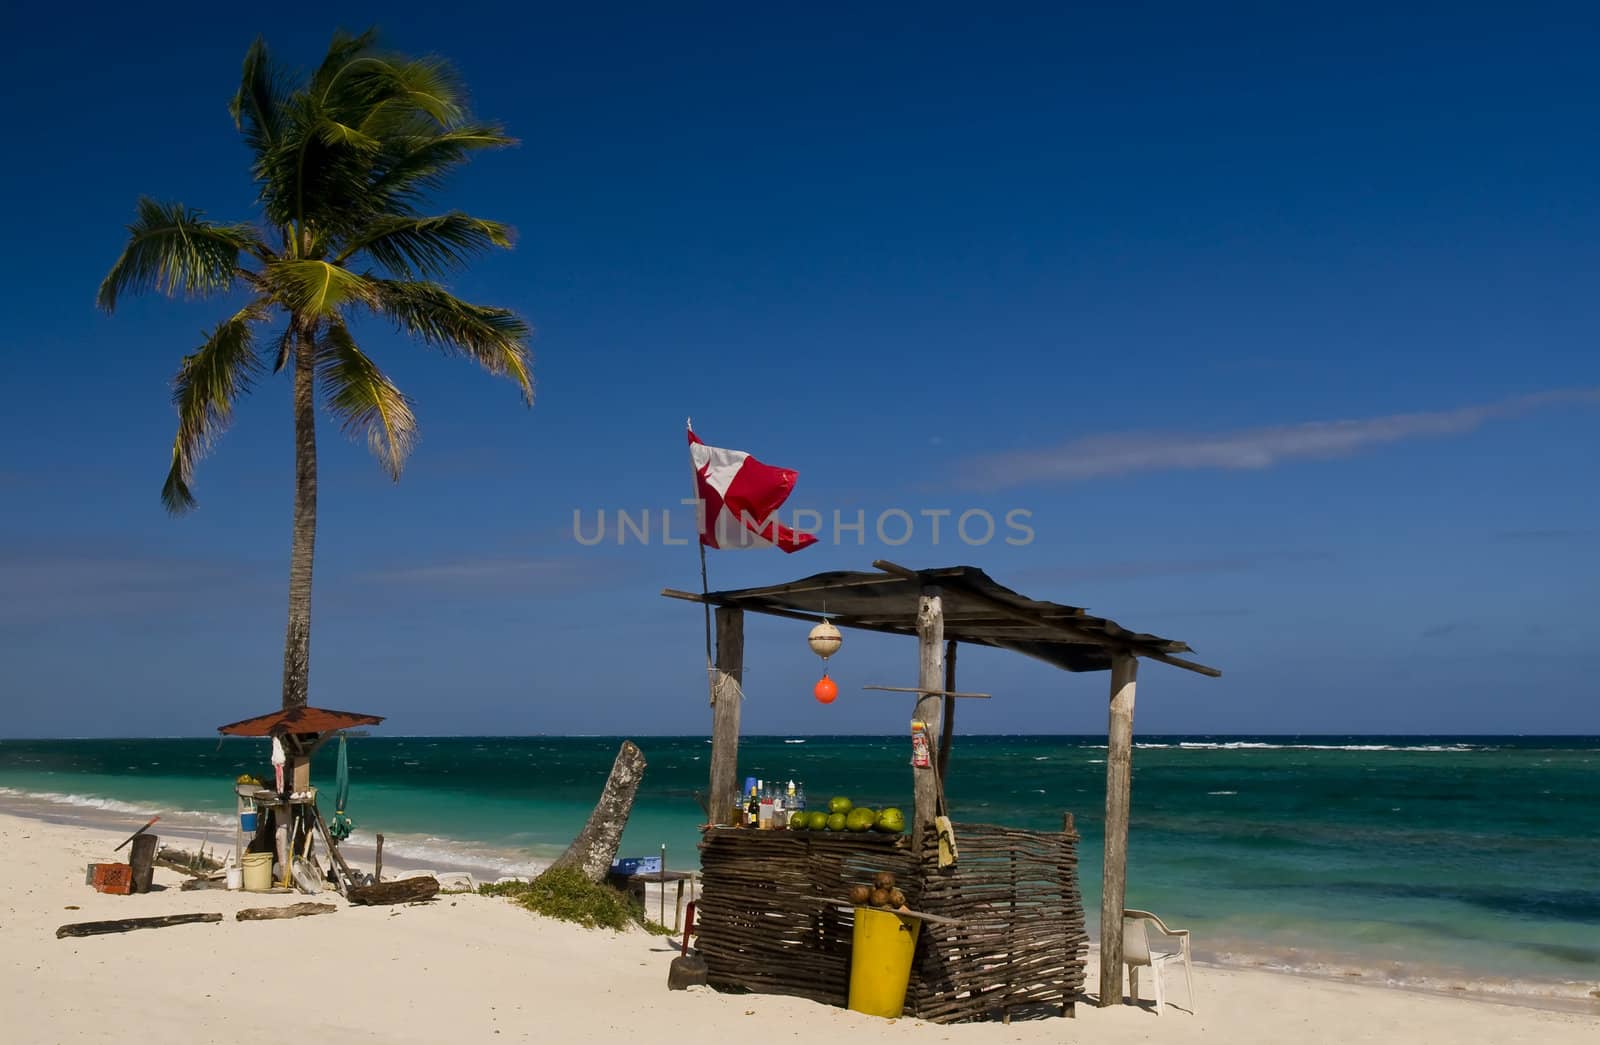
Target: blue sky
<point>1280,323</point>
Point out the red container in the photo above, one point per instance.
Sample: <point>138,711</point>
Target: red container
<point>112,878</point>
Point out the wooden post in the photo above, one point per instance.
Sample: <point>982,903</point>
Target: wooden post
<point>727,694</point>
<point>1119,780</point>
<point>947,731</point>
<point>930,677</point>
<point>377,861</point>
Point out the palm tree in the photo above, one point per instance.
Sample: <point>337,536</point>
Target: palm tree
<point>343,162</point>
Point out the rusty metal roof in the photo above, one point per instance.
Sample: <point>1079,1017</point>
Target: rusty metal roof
<point>298,720</point>
<point>976,610</point>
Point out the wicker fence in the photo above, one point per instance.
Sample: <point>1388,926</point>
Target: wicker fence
<point>769,921</point>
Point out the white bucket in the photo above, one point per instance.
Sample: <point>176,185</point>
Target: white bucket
<point>235,877</point>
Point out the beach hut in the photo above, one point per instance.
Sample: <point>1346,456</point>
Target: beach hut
<point>1018,939</point>
<point>300,731</point>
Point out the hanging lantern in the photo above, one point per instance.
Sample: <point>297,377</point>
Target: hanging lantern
<point>825,640</point>
<point>826,690</point>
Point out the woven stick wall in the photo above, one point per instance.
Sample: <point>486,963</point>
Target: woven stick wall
<point>766,922</point>
<point>1020,945</point>
<point>764,919</point>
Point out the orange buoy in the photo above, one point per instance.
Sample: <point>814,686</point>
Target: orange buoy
<point>826,690</point>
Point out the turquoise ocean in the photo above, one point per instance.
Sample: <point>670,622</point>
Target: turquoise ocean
<point>1441,862</point>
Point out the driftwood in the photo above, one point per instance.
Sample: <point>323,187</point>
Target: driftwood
<point>294,910</point>
<point>195,865</point>
<point>122,925</point>
<point>199,884</point>
<point>406,890</point>
<point>595,848</point>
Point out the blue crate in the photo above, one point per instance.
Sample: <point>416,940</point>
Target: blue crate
<point>632,865</point>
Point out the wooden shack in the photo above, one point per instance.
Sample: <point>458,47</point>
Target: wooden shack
<point>1015,936</point>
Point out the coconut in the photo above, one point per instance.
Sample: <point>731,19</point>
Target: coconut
<point>860,895</point>
<point>880,897</point>
<point>883,880</point>
<point>897,898</point>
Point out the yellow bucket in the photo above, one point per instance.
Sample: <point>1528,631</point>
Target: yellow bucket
<point>257,868</point>
<point>880,961</point>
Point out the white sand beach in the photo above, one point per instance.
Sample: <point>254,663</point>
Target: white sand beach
<point>471,968</point>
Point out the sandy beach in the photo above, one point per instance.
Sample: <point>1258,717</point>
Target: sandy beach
<point>471,968</point>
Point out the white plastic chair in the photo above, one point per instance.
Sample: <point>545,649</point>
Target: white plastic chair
<point>1136,952</point>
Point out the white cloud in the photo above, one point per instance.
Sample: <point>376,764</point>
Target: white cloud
<point>1100,456</point>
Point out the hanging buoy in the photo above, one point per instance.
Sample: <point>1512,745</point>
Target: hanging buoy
<point>825,640</point>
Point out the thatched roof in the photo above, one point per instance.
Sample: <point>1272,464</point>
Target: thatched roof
<point>976,610</point>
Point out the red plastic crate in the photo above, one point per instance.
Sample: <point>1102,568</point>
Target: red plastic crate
<point>112,878</point>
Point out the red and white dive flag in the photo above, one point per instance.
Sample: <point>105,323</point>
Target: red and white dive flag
<point>741,496</point>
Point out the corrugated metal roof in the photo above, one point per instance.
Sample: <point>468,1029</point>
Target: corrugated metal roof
<point>298,720</point>
<point>976,610</point>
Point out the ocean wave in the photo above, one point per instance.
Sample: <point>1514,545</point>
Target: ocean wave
<point>448,852</point>
<point>794,741</point>
<point>110,805</point>
<point>1258,745</point>
<point>177,817</point>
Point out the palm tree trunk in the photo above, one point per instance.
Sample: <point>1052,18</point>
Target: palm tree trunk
<point>297,639</point>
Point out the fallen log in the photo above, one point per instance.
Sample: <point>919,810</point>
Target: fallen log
<point>294,910</point>
<point>122,925</point>
<point>406,890</point>
<point>593,851</point>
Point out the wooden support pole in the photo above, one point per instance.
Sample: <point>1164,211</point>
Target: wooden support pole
<point>948,729</point>
<point>726,695</point>
<point>930,676</point>
<point>1119,780</point>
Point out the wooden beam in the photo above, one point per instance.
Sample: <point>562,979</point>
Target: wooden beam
<point>726,695</point>
<point>1187,665</point>
<point>1119,780</point>
<point>929,692</point>
<point>947,730</point>
<point>930,677</point>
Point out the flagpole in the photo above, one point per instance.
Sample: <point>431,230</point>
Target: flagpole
<point>705,590</point>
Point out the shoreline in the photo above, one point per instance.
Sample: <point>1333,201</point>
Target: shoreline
<point>401,856</point>
<point>477,968</point>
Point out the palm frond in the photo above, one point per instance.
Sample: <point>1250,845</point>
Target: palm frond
<point>314,287</point>
<point>413,164</point>
<point>428,246</point>
<point>364,399</point>
<point>425,85</point>
<point>495,337</point>
<point>343,49</point>
<point>207,383</point>
<point>257,107</point>
<point>172,248</point>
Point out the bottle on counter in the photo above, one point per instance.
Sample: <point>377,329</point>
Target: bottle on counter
<point>780,812</point>
<point>764,816</point>
<point>752,805</point>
